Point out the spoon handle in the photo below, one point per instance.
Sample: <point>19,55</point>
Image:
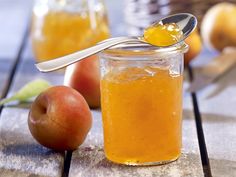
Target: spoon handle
<point>64,61</point>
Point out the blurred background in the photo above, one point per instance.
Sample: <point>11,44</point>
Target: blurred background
<point>60,27</point>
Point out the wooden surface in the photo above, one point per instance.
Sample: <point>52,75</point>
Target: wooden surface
<point>19,151</point>
<point>89,160</point>
<point>21,155</point>
<point>217,103</point>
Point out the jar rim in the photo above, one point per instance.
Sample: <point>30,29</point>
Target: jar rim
<point>139,50</point>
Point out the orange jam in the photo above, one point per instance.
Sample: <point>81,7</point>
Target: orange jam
<point>59,33</point>
<point>142,111</point>
<point>163,35</point>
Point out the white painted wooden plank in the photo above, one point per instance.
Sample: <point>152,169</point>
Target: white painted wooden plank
<point>17,173</point>
<point>217,106</point>
<point>19,151</point>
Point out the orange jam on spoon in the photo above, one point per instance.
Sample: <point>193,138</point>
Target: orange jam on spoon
<point>163,35</point>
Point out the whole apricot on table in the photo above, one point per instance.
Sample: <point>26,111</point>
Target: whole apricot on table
<point>84,76</point>
<point>195,46</point>
<point>60,118</point>
<point>219,25</point>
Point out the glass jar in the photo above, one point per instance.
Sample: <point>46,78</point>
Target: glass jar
<point>61,27</point>
<point>141,102</point>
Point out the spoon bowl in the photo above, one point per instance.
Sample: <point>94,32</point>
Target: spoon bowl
<point>185,21</point>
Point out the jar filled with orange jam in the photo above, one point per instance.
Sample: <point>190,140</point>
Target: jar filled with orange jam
<point>61,27</point>
<point>141,102</point>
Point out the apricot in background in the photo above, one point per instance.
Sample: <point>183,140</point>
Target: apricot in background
<point>84,76</point>
<point>195,46</point>
<point>218,28</point>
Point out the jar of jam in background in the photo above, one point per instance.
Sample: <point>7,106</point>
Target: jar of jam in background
<point>61,27</point>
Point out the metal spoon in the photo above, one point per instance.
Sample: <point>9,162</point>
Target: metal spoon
<point>185,21</point>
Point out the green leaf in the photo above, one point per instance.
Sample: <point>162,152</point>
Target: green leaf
<point>28,91</point>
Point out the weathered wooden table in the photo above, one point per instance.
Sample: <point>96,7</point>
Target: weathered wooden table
<point>209,117</point>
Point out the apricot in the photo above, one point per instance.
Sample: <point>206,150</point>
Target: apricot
<point>84,76</point>
<point>60,118</point>
<point>219,25</point>
<point>195,46</point>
